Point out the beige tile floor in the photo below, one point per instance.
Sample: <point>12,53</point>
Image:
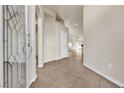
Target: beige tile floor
<point>69,73</point>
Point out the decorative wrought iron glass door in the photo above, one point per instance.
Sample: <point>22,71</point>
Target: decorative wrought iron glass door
<point>14,46</point>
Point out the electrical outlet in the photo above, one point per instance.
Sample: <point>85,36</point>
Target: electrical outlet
<point>109,65</point>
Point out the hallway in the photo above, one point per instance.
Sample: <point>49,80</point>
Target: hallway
<point>69,73</point>
<point>40,46</point>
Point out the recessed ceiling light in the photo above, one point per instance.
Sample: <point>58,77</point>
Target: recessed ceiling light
<point>76,24</point>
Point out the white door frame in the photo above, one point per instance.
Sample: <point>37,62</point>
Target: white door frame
<point>40,36</point>
<point>30,28</point>
<point>41,19</point>
<point>1,48</point>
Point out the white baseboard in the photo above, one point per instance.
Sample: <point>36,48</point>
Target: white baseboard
<point>40,66</point>
<point>55,59</point>
<point>45,61</point>
<point>106,76</point>
<point>32,80</point>
<point>58,58</point>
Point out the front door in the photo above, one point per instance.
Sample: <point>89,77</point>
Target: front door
<point>14,46</point>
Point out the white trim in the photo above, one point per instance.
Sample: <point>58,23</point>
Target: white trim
<point>50,60</point>
<point>106,76</point>
<point>59,58</point>
<point>26,35</point>
<point>55,59</point>
<point>40,40</point>
<point>1,47</point>
<point>40,66</point>
<point>31,81</point>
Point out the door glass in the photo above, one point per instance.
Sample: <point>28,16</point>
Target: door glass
<point>14,46</point>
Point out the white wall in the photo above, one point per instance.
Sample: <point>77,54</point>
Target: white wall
<point>49,39</point>
<point>57,35</point>
<point>55,42</point>
<point>1,46</point>
<point>104,41</point>
<point>63,44</point>
<point>61,40</point>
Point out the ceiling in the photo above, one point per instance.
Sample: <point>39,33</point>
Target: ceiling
<point>72,16</point>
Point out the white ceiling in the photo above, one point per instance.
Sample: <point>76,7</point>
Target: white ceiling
<point>71,14</point>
